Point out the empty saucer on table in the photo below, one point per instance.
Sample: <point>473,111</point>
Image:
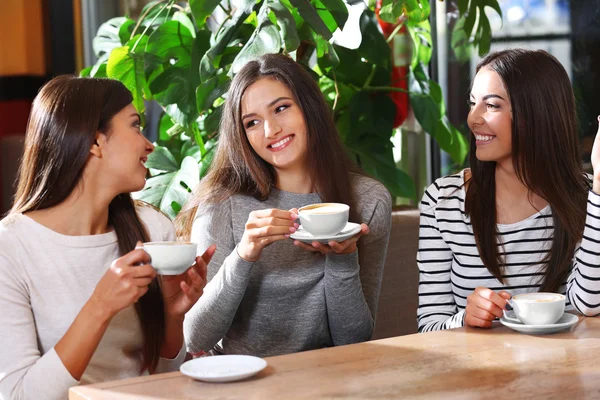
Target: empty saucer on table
<point>226,368</point>
<point>349,230</point>
<point>565,322</point>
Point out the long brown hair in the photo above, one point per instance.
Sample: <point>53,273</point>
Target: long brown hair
<point>237,168</point>
<point>545,156</point>
<point>65,117</point>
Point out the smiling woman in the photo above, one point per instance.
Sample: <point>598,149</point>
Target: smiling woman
<point>268,294</point>
<point>80,301</point>
<point>516,221</point>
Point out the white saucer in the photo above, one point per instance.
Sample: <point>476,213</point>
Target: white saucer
<point>226,368</point>
<point>349,230</point>
<point>565,322</point>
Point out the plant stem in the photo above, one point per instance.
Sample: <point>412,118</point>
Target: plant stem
<point>198,138</point>
<point>141,18</point>
<point>371,75</point>
<point>401,21</point>
<point>150,24</point>
<point>337,92</point>
<point>226,11</point>
<point>384,89</point>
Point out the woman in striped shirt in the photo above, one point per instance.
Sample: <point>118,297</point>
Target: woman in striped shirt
<point>516,221</point>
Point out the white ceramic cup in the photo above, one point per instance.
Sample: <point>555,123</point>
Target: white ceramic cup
<point>324,219</point>
<point>538,308</point>
<point>171,258</point>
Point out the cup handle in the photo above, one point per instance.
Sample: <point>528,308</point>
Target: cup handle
<point>514,307</point>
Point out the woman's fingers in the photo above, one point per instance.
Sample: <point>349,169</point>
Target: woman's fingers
<point>273,213</point>
<point>135,257</point>
<point>142,271</point>
<point>207,255</point>
<point>268,231</point>
<point>494,304</point>
<point>305,246</point>
<point>477,322</point>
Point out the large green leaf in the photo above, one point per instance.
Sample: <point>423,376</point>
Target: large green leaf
<point>125,31</point>
<point>428,106</point>
<point>391,10</point>
<point>308,12</point>
<point>180,187</point>
<point>161,159</point>
<point>422,43</point>
<point>287,25</point>
<point>155,188</point>
<point>351,69</point>
<point>172,40</point>
<point>265,40</point>
<point>201,9</point>
<point>154,14</point>
<point>333,12</point>
<point>373,46</point>
<point>466,35</point>
<point>210,60</point>
<point>463,6</point>
<point>338,9</point>
<point>99,69</point>
<point>129,69</point>
<point>327,58</point>
<point>209,91</point>
<point>417,10</point>
<point>107,37</point>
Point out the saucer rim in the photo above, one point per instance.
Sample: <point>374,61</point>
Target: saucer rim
<point>556,327</point>
<point>318,238</point>
<point>259,365</point>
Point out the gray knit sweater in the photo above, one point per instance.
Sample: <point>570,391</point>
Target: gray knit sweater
<point>291,299</point>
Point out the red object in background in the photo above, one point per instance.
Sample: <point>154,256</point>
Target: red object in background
<point>400,63</point>
<point>13,117</point>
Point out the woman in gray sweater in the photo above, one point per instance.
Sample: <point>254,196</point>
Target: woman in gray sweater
<point>268,294</point>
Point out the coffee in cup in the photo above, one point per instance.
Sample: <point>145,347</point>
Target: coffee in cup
<point>324,219</point>
<point>538,308</point>
<point>171,258</point>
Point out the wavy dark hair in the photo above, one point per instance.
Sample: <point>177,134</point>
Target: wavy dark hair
<point>237,168</point>
<point>65,118</point>
<point>545,156</point>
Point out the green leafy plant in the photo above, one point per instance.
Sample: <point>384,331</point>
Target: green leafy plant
<point>176,54</point>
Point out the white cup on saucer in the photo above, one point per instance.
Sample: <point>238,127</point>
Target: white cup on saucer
<point>171,258</point>
<point>538,308</point>
<point>324,219</point>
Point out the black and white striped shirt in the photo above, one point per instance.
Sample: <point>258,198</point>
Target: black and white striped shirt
<point>451,269</point>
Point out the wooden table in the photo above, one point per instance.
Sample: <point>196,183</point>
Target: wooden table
<point>460,363</point>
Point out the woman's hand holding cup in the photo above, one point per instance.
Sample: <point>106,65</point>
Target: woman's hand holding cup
<point>263,228</point>
<point>483,306</point>
<point>124,282</point>
<point>181,292</point>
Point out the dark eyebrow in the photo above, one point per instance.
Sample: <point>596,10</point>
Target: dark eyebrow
<point>268,105</point>
<point>136,115</point>
<point>489,96</point>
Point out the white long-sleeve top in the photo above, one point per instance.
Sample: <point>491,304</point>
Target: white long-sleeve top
<point>45,279</point>
<point>450,267</point>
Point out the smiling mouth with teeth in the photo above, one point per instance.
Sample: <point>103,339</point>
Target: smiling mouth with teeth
<point>484,138</point>
<point>281,143</point>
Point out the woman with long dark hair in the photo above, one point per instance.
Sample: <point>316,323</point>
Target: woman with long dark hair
<point>279,150</point>
<point>516,221</point>
<point>78,301</point>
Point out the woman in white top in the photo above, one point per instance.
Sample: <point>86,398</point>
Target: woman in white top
<point>516,220</point>
<point>78,302</point>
